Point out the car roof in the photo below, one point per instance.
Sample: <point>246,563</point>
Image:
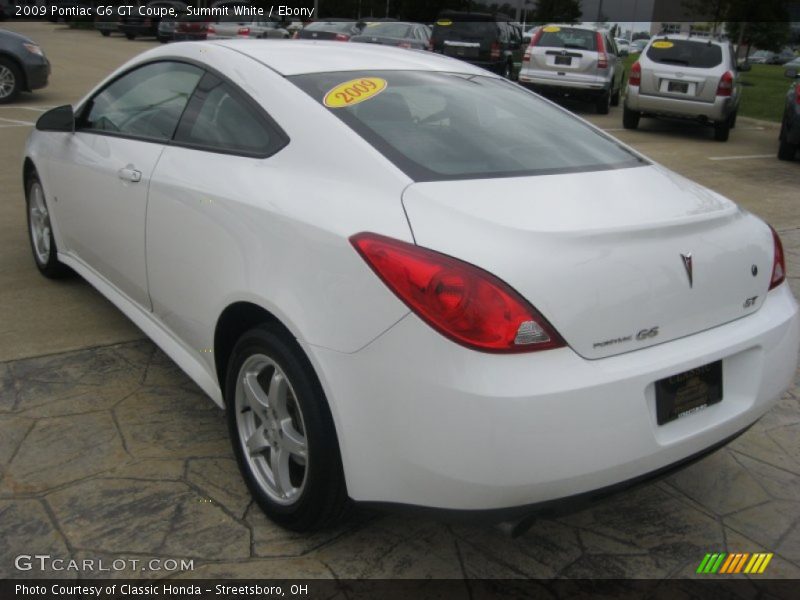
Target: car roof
<point>296,57</point>
<point>689,38</point>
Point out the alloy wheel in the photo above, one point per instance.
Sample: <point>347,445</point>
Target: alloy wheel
<point>39,223</point>
<point>7,82</point>
<point>271,429</point>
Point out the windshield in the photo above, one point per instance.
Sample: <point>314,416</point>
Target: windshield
<point>397,30</point>
<point>440,126</point>
<point>568,37</point>
<point>701,55</point>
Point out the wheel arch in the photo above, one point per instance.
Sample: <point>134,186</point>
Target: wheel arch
<point>28,170</point>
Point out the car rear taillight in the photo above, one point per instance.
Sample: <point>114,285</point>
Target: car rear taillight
<point>341,37</point>
<point>296,35</point>
<point>211,29</point>
<point>778,262</point>
<point>635,77</point>
<point>536,37</point>
<point>243,31</point>
<point>494,53</point>
<point>464,303</point>
<point>725,87</point>
<point>527,56</point>
<point>797,94</point>
<point>602,57</point>
<point>404,45</point>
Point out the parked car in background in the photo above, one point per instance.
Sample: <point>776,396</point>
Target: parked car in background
<point>488,41</point>
<point>395,33</point>
<point>574,60</point>
<point>23,66</point>
<point>256,27</point>
<point>190,28</point>
<point>136,25</point>
<point>338,31</point>
<point>789,138</point>
<point>623,45</point>
<point>106,24</point>
<point>637,46</point>
<point>762,57</point>
<point>685,77</point>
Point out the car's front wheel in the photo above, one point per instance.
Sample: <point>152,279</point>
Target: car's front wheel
<point>40,232</point>
<point>10,80</point>
<point>283,433</point>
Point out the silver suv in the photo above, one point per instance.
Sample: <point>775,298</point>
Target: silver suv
<point>685,77</point>
<point>575,60</point>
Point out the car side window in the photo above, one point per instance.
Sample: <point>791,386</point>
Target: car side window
<point>144,103</point>
<point>219,118</point>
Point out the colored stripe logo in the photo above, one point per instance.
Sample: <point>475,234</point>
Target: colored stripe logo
<point>736,562</point>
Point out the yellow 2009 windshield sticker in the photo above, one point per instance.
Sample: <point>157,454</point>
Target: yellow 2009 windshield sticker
<point>354,91</point>
<point>663,45</point>
<point>551,29</point>
<point>444,22</point>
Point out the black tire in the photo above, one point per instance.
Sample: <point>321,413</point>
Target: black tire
<point>130,36</point>
<point>11,81</point>
<point>722,130</point>
<point>603,103</point>
<point>50,267</point>
<point>786,151</point>
<point>105,33</point>
<point>323,500</point>
<point>630,118</point>
<point>615,96</point>
<point>733,118</point>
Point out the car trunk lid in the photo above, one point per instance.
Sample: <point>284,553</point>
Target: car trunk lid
<point>658,259</point>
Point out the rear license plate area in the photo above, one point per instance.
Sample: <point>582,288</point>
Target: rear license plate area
<point>563,60</point>
<point>686,393</point>
<point>679,87</point>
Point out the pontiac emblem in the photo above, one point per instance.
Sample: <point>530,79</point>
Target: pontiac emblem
<point>687,264</point>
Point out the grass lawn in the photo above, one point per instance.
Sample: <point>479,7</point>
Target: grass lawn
<point>763,90</point>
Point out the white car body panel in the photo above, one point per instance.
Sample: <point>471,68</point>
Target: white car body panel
<point>420,419</point>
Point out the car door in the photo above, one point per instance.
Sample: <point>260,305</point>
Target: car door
<point>102,172</point>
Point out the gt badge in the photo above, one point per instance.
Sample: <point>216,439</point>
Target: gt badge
<point>687,264</point>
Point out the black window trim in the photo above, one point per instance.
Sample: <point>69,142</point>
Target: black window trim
<point>261,114</point>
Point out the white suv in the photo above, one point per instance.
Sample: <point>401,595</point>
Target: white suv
<point>685,77</point>
<point>574,60</point>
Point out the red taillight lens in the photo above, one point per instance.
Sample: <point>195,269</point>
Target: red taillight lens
<point>341,37</point>
<point>602,57</point>
<point>725,87</point>
<point>211,29</point>
<point>536,37</point>
<point>296,35</point>
<point>778,262</point>
<point>461,301</point>
<point>244,31</point>
<point>797,94</point>
<point>635,77</point>
<point>494,53</point>
<point>404,45</point>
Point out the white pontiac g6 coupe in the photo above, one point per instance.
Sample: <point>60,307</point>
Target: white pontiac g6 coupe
<point>408,280</point>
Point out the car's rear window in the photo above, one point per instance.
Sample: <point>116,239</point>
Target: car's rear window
<point>685,53</point>
<point>568,37</point>
<point>398,30</point>
<point>440,126</point>
<point>444,29</point>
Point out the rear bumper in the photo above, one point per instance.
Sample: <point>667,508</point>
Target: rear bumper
<point>425,422</point>
<point>719,110</point>
<point>548,81</point>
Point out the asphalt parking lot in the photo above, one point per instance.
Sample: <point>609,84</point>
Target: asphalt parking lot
<point>108,451</point>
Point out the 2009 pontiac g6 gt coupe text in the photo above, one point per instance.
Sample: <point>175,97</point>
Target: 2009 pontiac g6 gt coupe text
<point>409,280</point>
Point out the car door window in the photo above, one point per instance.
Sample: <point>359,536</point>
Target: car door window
<point>219,118</point>
<point>144,103</point>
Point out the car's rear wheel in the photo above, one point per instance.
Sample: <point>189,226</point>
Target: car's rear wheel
<point>786,151</point>
<point>630,118</point>
<point>283,433</point>
<point>130,36</point>
<point>603,103</point>
<point>40,232</point>
<point>722,130</point>
<point>105,33</point>
<point>733,118</point>
<point>615,96</point>
<point>10,80</point>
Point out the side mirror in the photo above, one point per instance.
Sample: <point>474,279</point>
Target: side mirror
<point>791,73</point>
<point>60,118</point>
<point>744,67</point>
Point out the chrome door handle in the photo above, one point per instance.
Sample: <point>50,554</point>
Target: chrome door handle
<point>130,174</point>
